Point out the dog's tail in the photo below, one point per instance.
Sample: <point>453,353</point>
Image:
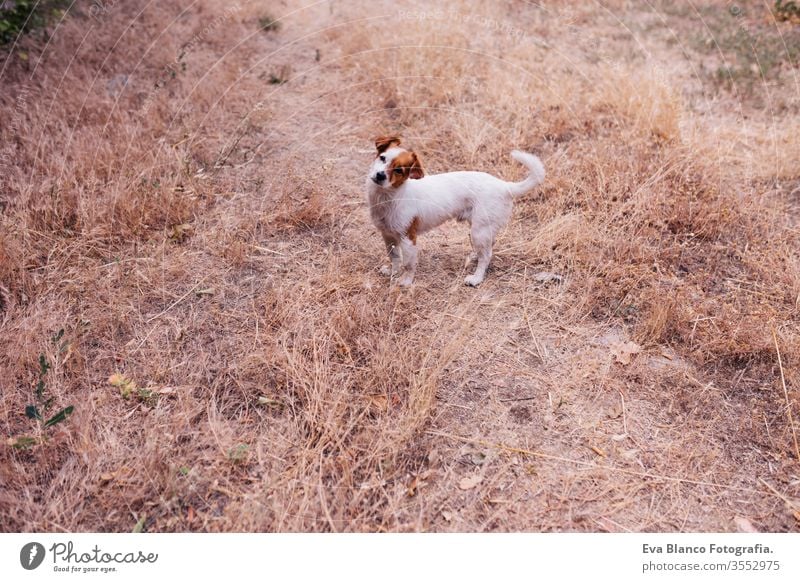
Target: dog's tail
<point>536,176</point>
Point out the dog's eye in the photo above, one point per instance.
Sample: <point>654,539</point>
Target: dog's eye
<point>398,170</point>
<point>382,158</point>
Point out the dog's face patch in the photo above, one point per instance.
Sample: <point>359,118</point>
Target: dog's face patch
<point>379,171</point>
<point>403,166</point>
<point>393,164</point>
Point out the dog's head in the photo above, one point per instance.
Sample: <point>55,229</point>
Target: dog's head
<point>393,165</point>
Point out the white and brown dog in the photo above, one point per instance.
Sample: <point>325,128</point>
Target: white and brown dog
<point>404,202</point>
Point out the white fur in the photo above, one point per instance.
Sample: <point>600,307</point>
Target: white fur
<point>476,197</point>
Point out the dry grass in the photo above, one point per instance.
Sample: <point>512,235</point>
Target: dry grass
<point>200,229</point>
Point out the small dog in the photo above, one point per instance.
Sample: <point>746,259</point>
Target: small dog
<point>404,202</point>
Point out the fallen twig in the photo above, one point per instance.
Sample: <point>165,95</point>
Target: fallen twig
<point>184,296</point>
<point>786,395</point>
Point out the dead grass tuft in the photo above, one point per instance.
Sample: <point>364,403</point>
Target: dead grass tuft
<point>200,231</point>
<point>301,209</point>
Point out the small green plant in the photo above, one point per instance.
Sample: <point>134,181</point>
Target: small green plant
<point>24,15</point>
<point>129,389</point>
<point>268,24</point>
<point>140,524</point>
<point>14,18</point>
<point>238,454</point>
<point>42,404</point>
<point>750,54</point>
<point>147,396</point>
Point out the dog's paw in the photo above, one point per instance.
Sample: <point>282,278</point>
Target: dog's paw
<point>406,281</point>
<point>473,280</point>
<point>386,271</point>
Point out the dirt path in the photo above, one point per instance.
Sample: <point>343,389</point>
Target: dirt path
<point>192,216</point>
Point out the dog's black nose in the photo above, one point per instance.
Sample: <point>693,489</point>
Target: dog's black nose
<point>380,176</point>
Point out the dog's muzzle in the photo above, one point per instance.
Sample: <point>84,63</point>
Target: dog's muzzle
<point>379,177</point>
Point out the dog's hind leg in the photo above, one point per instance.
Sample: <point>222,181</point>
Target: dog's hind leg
<point>482,241</point>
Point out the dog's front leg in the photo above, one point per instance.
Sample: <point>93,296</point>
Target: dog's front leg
<point>393,248</point>
<point>409,249</point>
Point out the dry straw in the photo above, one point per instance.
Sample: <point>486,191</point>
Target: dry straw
<point>182,193</point>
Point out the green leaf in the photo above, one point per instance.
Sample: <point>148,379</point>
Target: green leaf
<point>40,389</point>
<point>24,442</point>
<point>32,412</point>
<point>58,336</point>
<point>147,396</point>
<point>61,416</point>
<point>139,527</point>
<point>43,365</point>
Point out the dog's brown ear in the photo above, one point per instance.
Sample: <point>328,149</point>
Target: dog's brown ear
<point>404,166</point>
<point>415,171</point>
<point>384,142</point>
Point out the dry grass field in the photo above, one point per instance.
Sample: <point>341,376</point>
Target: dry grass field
<point>186,258</point>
